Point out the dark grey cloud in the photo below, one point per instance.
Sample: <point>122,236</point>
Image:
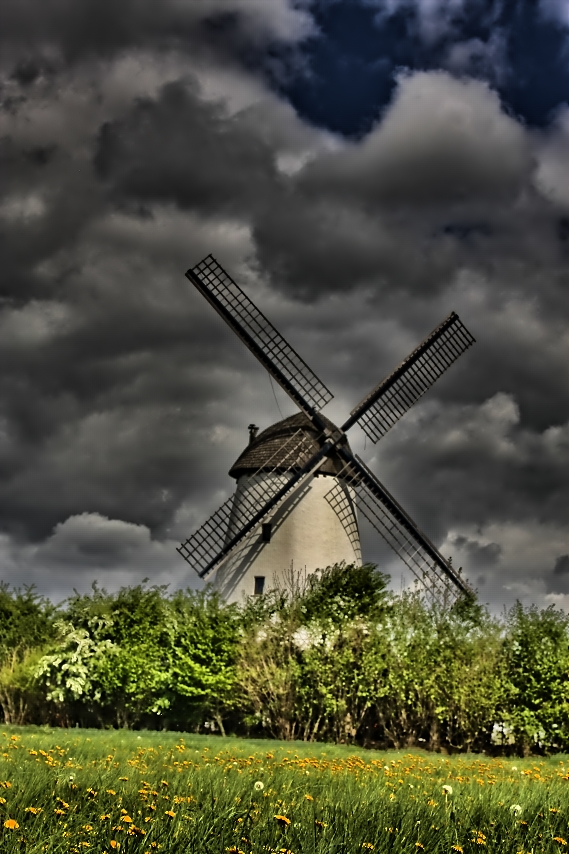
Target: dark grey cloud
<point>132,146</point>
<point>104,28</point>
<point>557,580</point>
<point>177,148</point>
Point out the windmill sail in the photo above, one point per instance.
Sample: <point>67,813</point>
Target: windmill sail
<point>400,532</point>
<point>395,395</point>
<point>232,527</point>
<point>226,528</point>
<point>260,336</point>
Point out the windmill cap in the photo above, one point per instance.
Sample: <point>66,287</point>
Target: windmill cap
<point>270,448</point>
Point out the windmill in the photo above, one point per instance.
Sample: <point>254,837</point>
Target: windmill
<point>298,482</point>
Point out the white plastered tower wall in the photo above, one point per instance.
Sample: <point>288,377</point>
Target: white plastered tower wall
<point>308,531</point>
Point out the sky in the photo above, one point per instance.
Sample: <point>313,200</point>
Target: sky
<point>362,168</point>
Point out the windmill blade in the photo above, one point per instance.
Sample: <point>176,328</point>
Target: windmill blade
<point>341,499</point>
<point>229,525</point>
<point>391,399</point>
<point>400,532</point>
<point>257,332</point>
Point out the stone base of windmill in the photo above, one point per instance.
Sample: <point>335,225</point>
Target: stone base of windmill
<point>307,532</point>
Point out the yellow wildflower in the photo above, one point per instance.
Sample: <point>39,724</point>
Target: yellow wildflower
<point>367,845</point>
<point>171,813</point>
<point>309,797</point>
<point>282,820</point>
<point>419,844</point>
<point>114,844</point>
<point>34,810</point>
<point>111,792</point>
<point>127,819</point>
<point>458,848</point>
<point>560,840</point>
<point>11,824</point>
<point>105,816</point>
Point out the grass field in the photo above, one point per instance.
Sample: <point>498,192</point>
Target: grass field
<point>89,790</point>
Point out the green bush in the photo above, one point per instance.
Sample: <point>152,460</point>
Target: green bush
<point>337,659</point>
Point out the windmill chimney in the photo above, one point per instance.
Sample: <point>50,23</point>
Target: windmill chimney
<point>253,430</point>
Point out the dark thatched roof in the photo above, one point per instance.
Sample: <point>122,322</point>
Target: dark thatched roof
<point>270,448</point>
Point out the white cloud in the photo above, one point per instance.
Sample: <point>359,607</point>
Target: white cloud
<point>435,18</point>
<point>555,10</point>
<point>440,140</point>
<point>552,160</point>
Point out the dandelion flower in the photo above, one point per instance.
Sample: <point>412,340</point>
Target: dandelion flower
<point>127,819</point>
<point>114,844</point>
<point>34,810</point>
<point>367,845</point>
<point>560,840</point>
<point>2,800</point>
<point>171,813</point>
<point>516,809</point>
<point>447,790</point>
<point>11,824</point>
<point>309,797</point>
<point>458,848</point>
<point>419,844</point>
<point>282,820</point>
<point>259,786</point>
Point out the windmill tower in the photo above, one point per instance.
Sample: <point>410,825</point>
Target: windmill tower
<point>298,482</point>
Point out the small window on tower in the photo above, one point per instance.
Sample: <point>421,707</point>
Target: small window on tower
<point>259,585</point>
<point>267,530</point>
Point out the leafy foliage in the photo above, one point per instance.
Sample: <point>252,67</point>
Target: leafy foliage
<point>336,659</point>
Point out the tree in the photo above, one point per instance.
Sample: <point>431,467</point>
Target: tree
<point>536,650</point>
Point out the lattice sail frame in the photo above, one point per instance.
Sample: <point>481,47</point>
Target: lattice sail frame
<point>396,394</point>
<point>210,540</point>
<point>438,578</point>
<point>341,499</point>
<point>260,336</point>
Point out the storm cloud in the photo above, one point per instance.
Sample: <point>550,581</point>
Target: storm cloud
<point>134,140</point>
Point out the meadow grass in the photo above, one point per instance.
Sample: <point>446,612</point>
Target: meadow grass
<point>100,791</point>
